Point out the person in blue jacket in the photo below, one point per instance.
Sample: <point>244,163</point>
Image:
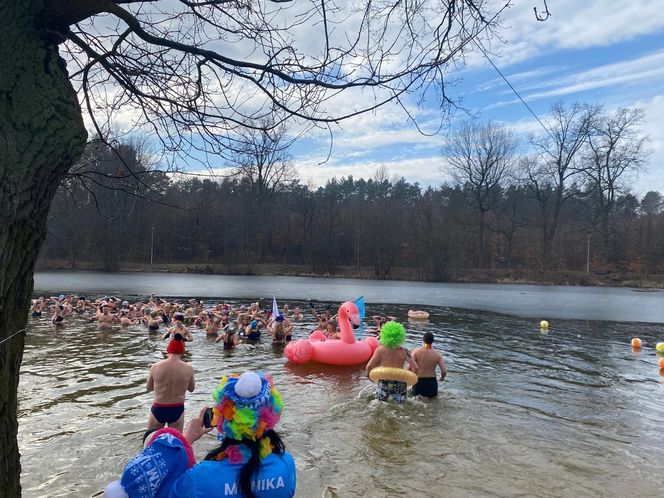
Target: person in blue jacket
<point>250,462</point>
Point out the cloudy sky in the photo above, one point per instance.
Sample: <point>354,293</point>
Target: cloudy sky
<point>596,51</point>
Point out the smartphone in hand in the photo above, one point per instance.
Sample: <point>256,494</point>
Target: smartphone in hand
<point>207,418</point>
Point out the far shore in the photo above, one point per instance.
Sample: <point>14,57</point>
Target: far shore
<point>492,276</point>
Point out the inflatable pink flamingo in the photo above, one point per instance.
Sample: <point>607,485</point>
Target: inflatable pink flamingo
<point>343,351</point>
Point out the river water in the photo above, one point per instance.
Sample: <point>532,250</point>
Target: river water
<point>571,411</point>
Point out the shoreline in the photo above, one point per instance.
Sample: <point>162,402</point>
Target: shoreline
<point>527,277</point>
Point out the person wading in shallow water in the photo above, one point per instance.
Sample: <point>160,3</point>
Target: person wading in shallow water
<point>390,353</point>
<point>427,360</point>
<point>170,379</point>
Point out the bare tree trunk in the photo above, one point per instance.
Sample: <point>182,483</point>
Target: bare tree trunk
<point>480,249</point>
<point>41,135</point>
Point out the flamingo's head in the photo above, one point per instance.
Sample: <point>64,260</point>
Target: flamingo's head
<point>349,310</point>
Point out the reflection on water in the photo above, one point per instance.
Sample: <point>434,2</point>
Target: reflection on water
<point>572,412</point>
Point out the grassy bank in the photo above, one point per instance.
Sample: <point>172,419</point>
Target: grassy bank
<point>399,273</point>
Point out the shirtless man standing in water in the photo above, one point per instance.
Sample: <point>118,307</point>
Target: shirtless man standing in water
<point>391,353</point>
<point>104,318</point>
<point>427,360</point>
<point>170,379</point>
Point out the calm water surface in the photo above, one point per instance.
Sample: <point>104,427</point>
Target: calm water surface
<point>571,412</point>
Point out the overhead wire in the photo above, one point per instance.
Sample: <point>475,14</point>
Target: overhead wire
<point>523,101</point>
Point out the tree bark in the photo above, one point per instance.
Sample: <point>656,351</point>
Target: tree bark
<point>41,135</point>
<point>480,249</point>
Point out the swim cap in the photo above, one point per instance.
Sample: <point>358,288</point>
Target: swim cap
<point>125,303</point>
<point>253,324</point>
<point>280,318</point>
<point>176,346</point>
<point>178,316</point>
<point>392,335</point>
<point>246,406</point>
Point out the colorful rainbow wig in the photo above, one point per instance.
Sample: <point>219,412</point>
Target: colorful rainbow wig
<point>392,335</point>
<point>240,417</point>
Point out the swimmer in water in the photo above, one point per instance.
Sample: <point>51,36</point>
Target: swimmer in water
<point>36,309</point>
<point>252,331</point>
<point>391,354</point>
<point>104,318</point>
<point>281,329</point>
<point>81,305</point>
<point>381,320</point>
<point>212,327</point>
<point>228,337</point>
<point>125,318</point>
<point>152,320</point>
<point>297,315</point>
<point>58,317</point>
<point>331,331</point>
<point>427,360</point>
<point>170,379</point>
<point>179,328</point>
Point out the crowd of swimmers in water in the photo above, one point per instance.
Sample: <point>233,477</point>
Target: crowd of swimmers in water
<point>251,460</point>
<point>227,323</point>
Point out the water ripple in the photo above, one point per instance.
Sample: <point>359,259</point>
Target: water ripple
<point>571,411</point>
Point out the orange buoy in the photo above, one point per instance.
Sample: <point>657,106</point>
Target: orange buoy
<point>661,363</point>
<point>637,343</point>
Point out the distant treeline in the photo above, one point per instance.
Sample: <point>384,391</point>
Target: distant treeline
<point>533,217</point>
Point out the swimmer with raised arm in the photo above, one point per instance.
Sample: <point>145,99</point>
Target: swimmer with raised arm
<point>104,318</point>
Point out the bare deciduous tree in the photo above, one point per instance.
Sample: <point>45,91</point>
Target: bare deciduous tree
<point>616,151</point>
<point>479,157</point>
<point>262,159</point>
<point>557,164</point>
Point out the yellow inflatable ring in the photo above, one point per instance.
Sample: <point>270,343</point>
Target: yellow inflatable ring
<point>419,314</point>
<point>391,373</point>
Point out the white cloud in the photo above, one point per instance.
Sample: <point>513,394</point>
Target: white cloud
<point>653,177</point>
<point>516,78</point>
<point>644,69</point>
<point>575,25</point>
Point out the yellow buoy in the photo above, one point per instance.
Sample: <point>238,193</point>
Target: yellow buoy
<point>544,324</point>
<point>660,347</point>
<point>637,343</point>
